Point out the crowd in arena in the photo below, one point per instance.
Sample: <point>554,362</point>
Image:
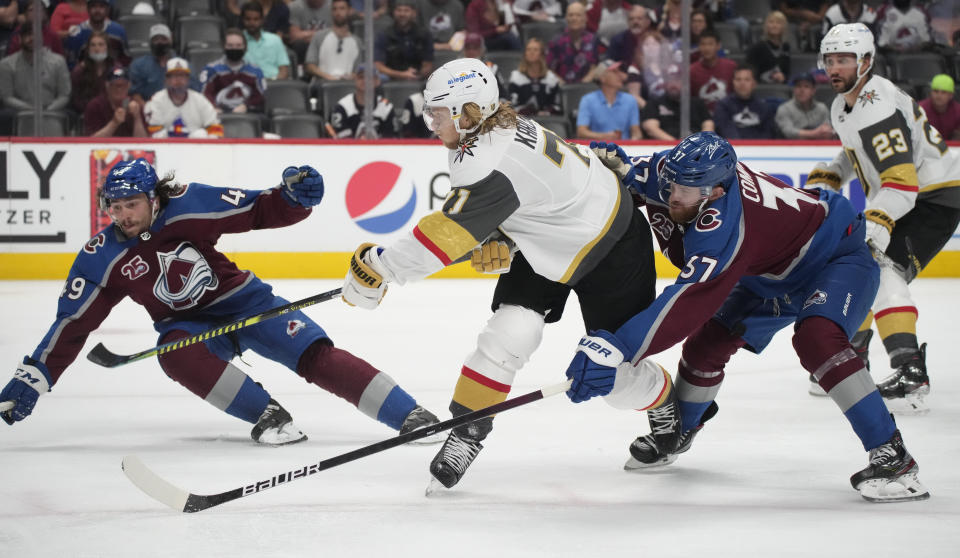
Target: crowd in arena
<point>602,70</point>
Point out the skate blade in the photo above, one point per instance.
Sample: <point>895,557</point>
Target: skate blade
<point>435,487</point>
<point>911,405</point>
<point>906,488</point>
<point>284,437</point>
<point>633,465</point>
<point>815,389</point>
<point>431,440</point>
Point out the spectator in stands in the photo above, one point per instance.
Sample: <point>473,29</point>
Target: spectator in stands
<point>804,117</point>
<point>347,117</point>
<point>609,114</point>
<point>178,111</point>
<point>624,44</point>
<point>848,11</point>
<point>770,55</point>
<point>533,87</point>
<point>573,55</point>
<point>265,50</point>
<point>276,18</point>
<point>443,19</point>
<point>493,20</point>
<point>17,90</point>
<point>537,10</point>
<point>230,83</point>
<point>88,78</point>
<point>404,50</point>
<point>711,77</point>
<point>606,18</point>
<point>475,47</point>
<point>9,10</point>
<point>700,21</point>
<point>902,27</point>
<point>98,20</point>
<point>808,16</point>
<point>661,115</point>
<point>334,52</point>
<point>943,111</point>
<point>671,18</point>
<point>743,115</point>
<point>50,38</point>
<point>411,123</point>
<point>148,73</point>
<point>307,18</point>
<point>114,113</point>
<point>66,15</point>
<point>636,84</point>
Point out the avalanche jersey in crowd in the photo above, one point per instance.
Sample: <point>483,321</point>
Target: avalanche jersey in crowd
<point>175,271</point>
<point>228,88</point>
<point>555,200</point>
<point>894,151</point>
<point>196,117</point>
<point>347,119</point>
<point>78,35</point>
<point>763,234</point>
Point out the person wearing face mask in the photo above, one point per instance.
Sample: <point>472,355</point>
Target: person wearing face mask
<point>99,20</point>
<point>148,72</point>
<point>178,111</point>
<point>87,79</point>
<point>230,83</point>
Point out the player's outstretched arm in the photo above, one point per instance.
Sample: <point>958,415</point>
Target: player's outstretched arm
<point>29,382</point>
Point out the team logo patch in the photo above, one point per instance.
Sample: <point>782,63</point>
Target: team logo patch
<point>465,148</point>
<point>709,220</point>
<point>294,327</point>
<point>868,97</point>
<point>185,276</point>
<point>818,297</point>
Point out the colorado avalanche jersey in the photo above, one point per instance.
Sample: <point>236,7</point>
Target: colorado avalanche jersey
<point>894,151</point>
<point>196,117</point>
<point>174,270</point>
<point>763,234</point>
<point>555,200</point>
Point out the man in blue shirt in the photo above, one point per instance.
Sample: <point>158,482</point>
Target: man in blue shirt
<point>609,114</point>
<point>99,12</point>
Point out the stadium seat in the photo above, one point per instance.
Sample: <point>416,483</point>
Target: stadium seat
<point>555,123</point>
<point>543,30</point>
<point>773,90</point>
<point>441,57</point>
<point>751,10</point>
<point>200,57</point>
<point>138,28</point>
<point>52,124</point>
<point>916,68</point>
<point>729,37</point>
<point>570,95</point>
<point>183,8</point>
<point>241,125</point>
<point>398,91</point>
<point>825,94</point>
<point>506,60</point>
<point>331,92</point>
<point>200,31</point>
<point>125,7</point>
<point>306,126</point>
<point>801,62</point>
<point>287,96</point>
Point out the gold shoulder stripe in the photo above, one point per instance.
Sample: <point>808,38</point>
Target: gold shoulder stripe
<point>904,174</point>
<point>446,235</point>
<point>940,185</point>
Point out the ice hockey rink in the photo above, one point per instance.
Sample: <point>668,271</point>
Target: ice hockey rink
<point>767,477</point>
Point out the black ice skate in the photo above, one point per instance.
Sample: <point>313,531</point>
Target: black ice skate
<point>452,460</point>
<point>909,384</point>
<point>418,418</point>
<point>891,475</point>
<point>645,454</point>
<point>275,427</point>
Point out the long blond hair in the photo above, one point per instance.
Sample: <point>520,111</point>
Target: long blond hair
<point>540,65</point>
<point>505,117</point>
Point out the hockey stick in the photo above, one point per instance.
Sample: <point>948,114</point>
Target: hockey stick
<point>6,405</point>
<point>181,500</point>
<point>104,357</point>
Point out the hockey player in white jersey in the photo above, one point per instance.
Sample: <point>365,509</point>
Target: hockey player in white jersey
<point>912,183</point>
<point>517,185</point>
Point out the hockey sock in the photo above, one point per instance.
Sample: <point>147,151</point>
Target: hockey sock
<point>705,354</point>
<point>898,330</point>
<point>341,373</point>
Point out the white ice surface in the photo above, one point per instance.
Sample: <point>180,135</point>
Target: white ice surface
<point>767,477</point>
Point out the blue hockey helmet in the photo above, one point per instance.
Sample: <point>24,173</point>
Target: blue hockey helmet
<point>702,160</point>
<point>129,178</point>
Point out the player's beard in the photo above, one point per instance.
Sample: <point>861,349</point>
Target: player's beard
<point>843,85</point>
<point>684,213</point>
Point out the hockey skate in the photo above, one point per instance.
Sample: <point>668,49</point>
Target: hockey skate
<point>644,453</point>
<point>891,475</point>
<point>275,427</point>
<point>904,391</point>
<point>451,462</point>
<point>419,418</point>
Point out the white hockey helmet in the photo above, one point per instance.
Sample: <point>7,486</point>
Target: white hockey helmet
<point>848,38</point>
<point>456,83</point>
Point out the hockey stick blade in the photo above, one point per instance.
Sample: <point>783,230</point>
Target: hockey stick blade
<point>6,405</point>
<point>181,500</point>
<point>106,358</point>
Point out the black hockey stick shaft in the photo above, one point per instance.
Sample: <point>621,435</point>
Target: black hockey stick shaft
<point>176,498</point>
<point>104,357</point>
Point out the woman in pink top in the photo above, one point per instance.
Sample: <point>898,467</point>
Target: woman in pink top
<point>68,14</point>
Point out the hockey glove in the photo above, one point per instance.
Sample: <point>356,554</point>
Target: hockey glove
<point>823,176</point>
<point>493,256</point>
<point>302,186</point>
<point>594,367</point>
<point>27,384</point>
<point>365,285</point>
<point>879,227</point>
<point>614,158</point>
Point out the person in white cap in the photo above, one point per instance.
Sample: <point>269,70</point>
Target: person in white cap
<point>178,111</point>
<point>148,72</point>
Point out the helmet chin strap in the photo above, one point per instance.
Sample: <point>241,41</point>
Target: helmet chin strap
<point>859,77</point>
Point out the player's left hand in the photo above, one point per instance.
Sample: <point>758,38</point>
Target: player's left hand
<point>493,256</point>
<point>302,186</point>
<point>594,367</point>
<point>364,285</point>
<point>29,382</point>
<point>614,158</point>
<point>879,227</point>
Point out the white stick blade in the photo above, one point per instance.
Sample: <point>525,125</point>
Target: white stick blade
<point>154,486</point>
<point>6,405</point>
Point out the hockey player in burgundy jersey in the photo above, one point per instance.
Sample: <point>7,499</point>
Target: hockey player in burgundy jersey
<point>161,252</point>
<point>756,256</point>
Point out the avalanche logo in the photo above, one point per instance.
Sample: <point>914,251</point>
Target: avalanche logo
<point>818,297</point>
<point>294,327</point>
<point>185,276</point>
<point>377,198</point>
